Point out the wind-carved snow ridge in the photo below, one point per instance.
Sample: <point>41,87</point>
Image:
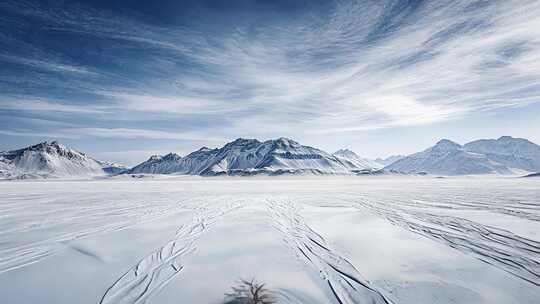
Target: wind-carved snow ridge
<point>503,249</point>
<point>343,279</point>
<point>157,269</point>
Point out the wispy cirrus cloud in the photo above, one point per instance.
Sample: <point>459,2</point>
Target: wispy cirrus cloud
<point>115,133</point>
<point>127,133</point>
<point>33,133</point>
<point>347,67</point>
<point>36,105</point>
<point>47,65</point>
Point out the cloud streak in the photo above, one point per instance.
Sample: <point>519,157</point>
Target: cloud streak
<point>352,66</point>
<point>126,133</point>
<point>20,104</point>
<point>115,133</point>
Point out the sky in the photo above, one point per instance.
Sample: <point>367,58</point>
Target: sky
<point>122,80</point>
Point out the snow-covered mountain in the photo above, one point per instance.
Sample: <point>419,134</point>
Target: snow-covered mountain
<point>389,160</point>
<point>515,153</point>
<point>249,157</point>
<point>157,164</point>
<point>448,158</point>
<point>50,159</point>
<point>506,155</point>
<point>355,162</point>
<point>112,168</point>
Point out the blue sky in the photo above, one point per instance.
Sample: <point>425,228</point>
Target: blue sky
<point>122,80</point>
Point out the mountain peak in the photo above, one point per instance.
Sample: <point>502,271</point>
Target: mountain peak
<point>172,156</point>
<point>505,137</point>
<point>54,147</point>
<point>242,142</point>
<point>45,144</point>
<point>155,157</point>
<point>285,141</point>
<point>447,144</point>
<point>345,152</point>
<point>241,139</point>
<point>510,139</point>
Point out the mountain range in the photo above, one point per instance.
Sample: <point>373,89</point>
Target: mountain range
<point>506,155</point>
<point>251,157</point>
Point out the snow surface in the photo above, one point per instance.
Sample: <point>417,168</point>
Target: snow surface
<point>308,240</point>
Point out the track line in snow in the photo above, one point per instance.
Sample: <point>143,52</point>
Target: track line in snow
<point>514,254</point>
<point>16,257</point>
<point>343,279</point>
<point>160,267</point>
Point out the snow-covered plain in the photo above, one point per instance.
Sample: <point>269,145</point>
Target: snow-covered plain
<point>309,240</point>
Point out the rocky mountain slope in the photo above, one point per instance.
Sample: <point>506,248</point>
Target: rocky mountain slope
<point>354,161</point>
<point>389,160</point>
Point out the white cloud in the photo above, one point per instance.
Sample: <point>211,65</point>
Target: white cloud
<point>49,65</point>
<point>356,69</point>
<point>127,133</point>
<point>118,133</point>
<point>169,104</point>
<point>23,104</point>
<point>32,133</point>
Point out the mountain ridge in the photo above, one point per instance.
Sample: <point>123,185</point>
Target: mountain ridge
<point>506,155</point>
<point>251,156</point>
<point>519,153</point>
<point>245,156</point>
